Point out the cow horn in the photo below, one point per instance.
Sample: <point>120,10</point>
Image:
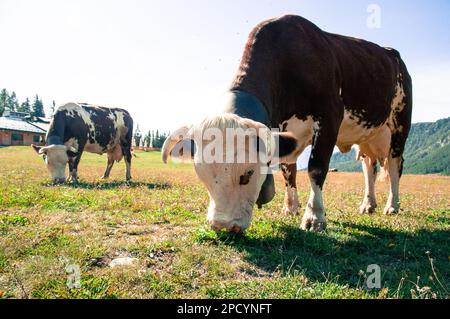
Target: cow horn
<point>43,150</point>
<point>175,138</point>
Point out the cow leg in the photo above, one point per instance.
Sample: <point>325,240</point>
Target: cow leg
<point>126,145</point>
<point>314,219</point>
<point>72,171</point>
<point>402,125</point>
<point>109,166</point>
<point>128,169</point>
<point>395,161</point>
<point>73,167</point>
<point>395,167</point>
<point>291,203</point>
<point>324,140</point>
<point>126,149</point>
<point>369,203</point>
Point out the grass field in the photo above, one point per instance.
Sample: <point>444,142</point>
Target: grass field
<point>160,220</point>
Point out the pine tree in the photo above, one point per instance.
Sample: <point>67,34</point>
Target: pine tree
<point>25,106</point>
<point>162,139</point>
<point>4,97</point>
<point>157,139</point>
<point>38,107</point>
<point>12,103</point>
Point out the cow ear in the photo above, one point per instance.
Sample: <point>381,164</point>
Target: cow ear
<point>40,150</point>
<point>71,151</point>
<point>285,150</point>
<point>179,146</point>
<point>184,151</point>
<point>36,148</point>
<point>267,192</point>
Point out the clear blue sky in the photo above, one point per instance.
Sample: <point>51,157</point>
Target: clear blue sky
<point>169,62</point>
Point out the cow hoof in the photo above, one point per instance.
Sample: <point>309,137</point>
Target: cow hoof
<point>72,180</point>
<point>367,209</point>
<point>391,211</point>
<point>290,211</point>
<point>314,223</point>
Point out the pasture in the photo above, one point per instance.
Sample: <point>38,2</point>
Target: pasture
<point>159,219</point>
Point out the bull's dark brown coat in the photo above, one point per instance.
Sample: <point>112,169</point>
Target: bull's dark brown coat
<point>295,69</point>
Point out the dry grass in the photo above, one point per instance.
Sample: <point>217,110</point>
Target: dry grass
<point>160,219</point>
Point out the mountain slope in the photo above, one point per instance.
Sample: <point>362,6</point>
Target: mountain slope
<point>427,151</point>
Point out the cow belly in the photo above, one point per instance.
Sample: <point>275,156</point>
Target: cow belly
<point>373,142</point>
<point>377,148</point>
<point>354,131</point>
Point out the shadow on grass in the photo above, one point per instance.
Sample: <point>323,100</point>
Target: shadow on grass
<point>324,258</point>
<point>114,185</point>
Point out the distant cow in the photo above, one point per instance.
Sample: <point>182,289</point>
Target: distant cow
<point>320,89</point>
<point>81,127</point>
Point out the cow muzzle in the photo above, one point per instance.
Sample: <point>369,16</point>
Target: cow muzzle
<point>232,227</point>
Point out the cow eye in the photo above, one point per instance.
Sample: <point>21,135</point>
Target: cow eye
<point>245,179</point>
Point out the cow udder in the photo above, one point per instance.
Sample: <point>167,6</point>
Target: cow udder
<point>116,153</point>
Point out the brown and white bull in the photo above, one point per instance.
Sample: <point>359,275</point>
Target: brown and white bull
<point>78,127</point>
<point>319,89</point>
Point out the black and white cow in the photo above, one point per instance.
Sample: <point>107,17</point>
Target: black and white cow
<point>320,89</point>
<point>80,127</point>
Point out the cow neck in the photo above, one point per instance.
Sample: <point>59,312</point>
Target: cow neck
<point>55,135</point>
<point>247,106</point>
<point>54,140</point>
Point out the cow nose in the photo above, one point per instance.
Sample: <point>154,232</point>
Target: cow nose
<point>229,227</point>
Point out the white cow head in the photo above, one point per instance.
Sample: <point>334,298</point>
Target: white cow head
<point>56,158</point>
<point>233,168</point>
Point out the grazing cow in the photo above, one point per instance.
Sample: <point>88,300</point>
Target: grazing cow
<point>81,127</point>
<point>320,89</point>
